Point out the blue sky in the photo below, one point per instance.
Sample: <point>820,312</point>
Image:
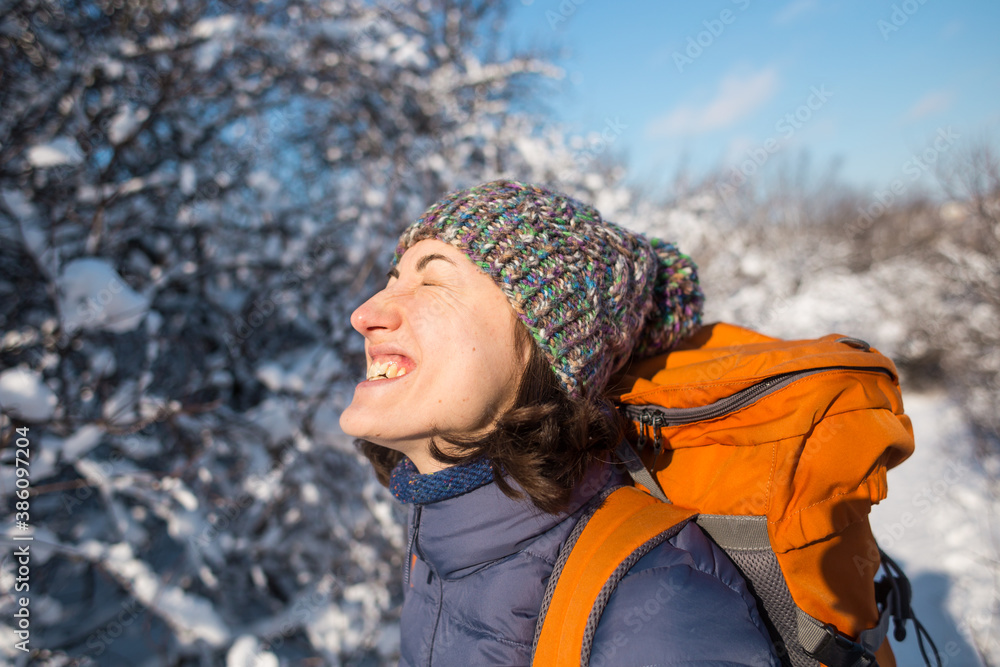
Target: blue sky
<point>873,83</point>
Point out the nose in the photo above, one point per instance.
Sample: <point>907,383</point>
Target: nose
<point>376,314</point>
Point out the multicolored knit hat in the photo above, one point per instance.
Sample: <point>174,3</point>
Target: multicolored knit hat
<point>591,293</point>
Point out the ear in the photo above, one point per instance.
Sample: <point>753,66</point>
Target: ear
<point>523,340</point>
<point>526,350</point>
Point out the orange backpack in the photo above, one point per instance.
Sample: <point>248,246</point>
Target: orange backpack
<point>777,449</point>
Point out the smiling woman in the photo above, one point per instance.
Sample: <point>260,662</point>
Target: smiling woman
<point>489,351</point>
<point>443,357</point>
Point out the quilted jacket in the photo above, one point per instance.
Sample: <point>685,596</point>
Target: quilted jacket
<point>477,569</point>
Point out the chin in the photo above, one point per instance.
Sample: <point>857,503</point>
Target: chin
<point>360,423</point>
<point>349,424</point>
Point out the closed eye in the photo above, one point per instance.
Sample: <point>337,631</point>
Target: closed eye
<point>422,270</point>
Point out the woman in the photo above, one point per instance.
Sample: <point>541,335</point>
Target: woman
<point>508,309</point>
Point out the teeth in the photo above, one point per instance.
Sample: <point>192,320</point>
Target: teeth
<point>384,370</point>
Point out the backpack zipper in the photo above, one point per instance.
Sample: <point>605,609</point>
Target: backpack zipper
<point>657,417</point>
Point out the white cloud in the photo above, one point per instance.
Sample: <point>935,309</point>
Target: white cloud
<point>736,97</point>
<point>793,10</point>
<point>933,102</point>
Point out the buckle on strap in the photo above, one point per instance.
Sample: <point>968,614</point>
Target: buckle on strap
<point>836,650</point>
<point>822,642</point>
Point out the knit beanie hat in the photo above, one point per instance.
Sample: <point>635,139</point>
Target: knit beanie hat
<point>591,293</point>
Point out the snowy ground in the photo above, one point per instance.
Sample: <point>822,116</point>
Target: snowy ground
<point>940,524</point>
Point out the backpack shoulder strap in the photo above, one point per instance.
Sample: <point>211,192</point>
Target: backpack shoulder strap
<point>627,526</point>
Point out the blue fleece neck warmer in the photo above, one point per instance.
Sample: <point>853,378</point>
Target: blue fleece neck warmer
<point>409,486</point>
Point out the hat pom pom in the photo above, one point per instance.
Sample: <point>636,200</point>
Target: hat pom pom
<point>677,302</point>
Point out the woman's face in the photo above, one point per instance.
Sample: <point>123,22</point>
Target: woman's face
<point>442,355</point>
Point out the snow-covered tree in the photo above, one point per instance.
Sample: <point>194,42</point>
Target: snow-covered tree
<point>193,197</point>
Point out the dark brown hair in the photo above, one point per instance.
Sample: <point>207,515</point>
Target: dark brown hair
<point>544,443</point>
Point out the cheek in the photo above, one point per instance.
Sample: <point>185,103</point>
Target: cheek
<point>481,359</point>
<point>433,320</point>
<point>498,355</point>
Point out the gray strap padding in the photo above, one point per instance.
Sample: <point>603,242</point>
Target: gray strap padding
<point>736,533</point>
<point>739,535</point>
<point>745,541</point>
<point>638,471</point>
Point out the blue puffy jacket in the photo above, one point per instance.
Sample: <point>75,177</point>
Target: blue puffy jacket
<point>477,569</point>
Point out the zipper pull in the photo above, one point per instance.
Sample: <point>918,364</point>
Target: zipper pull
<point>657,438</point>
<point>643,417</point>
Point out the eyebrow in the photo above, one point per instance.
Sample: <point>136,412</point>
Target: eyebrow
<point>421,264</point>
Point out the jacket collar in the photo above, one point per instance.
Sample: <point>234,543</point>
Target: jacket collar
<point>460,535</point>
